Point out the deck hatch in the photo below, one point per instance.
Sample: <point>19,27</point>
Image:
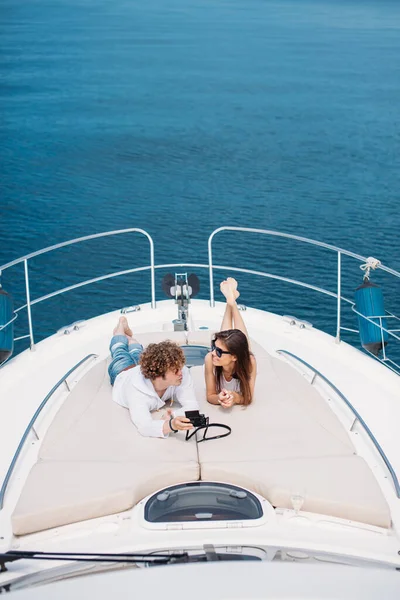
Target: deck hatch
<point>202,501</point>
<point>195,355</point>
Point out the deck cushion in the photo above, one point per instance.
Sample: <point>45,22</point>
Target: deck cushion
<point>93,462</point>
<point>288,440</point>
<point>153,337</point>
<point>58,493</point>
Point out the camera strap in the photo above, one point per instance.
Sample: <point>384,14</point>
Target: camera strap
<point>206,428</point>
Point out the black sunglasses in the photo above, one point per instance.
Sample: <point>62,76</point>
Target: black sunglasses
<point>218,351</point>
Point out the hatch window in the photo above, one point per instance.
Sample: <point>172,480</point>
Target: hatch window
<point>195,355</point>
<point>202,501</point>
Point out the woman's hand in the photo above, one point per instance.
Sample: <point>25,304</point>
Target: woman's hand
<point>226,398</point>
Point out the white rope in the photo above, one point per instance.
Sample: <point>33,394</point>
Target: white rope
<point>372,263</point>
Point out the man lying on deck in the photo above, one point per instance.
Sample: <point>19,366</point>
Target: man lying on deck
<point>160,376</point>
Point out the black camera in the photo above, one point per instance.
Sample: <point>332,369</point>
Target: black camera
<point>196,418</point>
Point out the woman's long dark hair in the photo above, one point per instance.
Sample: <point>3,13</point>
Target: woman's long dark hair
<point>238,345</point>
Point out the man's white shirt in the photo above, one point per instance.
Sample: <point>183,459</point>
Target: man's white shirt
<point>132,390</point>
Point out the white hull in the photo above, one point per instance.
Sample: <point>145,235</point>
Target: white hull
<point>369,387</point>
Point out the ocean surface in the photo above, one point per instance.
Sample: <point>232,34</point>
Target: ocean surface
<point>181,116</point>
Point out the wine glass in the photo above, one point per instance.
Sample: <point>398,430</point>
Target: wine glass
<point>297,500</point>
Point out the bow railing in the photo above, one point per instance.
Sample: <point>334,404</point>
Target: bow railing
<point>393,331</point>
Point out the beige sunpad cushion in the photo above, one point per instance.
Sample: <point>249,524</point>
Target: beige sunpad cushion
<point>201,337</point>
<point>93,462</point>
<point>153,337</point>
<point>58,493</point>
<point>289,440</point>
<point>90,426</point>
<point>338,486</point>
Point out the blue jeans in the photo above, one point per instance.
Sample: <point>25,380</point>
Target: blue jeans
<point>123,355</point>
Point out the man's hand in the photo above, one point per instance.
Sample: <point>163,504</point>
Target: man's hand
<point>179,423</point>
<point>226,398</point>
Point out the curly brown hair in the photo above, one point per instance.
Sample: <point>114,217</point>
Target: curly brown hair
<point>159,358</point>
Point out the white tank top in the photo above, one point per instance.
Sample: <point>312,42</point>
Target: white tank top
<point>232,386</point>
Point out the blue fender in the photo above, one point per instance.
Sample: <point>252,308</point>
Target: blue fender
<point>369,302</point>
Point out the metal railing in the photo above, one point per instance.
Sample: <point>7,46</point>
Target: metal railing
<point>24,260</point>
<point>31,424</point>
<point>382,330</point>
<point>337,295</point>
<point>357,415</point>
<point>211,267</point>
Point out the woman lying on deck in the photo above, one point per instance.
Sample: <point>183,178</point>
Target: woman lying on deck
<point>230,367</point>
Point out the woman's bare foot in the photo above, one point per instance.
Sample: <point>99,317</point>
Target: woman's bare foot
<point>123,328</point>
<point>127,329</point>
<point>228,292</point>
<point>233,283</point>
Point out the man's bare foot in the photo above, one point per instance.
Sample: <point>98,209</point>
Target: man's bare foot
<point>123,328</point>
<point>227,291</point>
<point>233,283</point>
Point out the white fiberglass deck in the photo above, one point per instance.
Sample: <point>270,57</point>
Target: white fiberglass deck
<point>92,461</point>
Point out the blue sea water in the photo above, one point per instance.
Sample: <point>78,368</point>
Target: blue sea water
<point>180,116</point>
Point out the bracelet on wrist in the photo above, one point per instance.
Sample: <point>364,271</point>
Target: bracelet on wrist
<point>170,426</point>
